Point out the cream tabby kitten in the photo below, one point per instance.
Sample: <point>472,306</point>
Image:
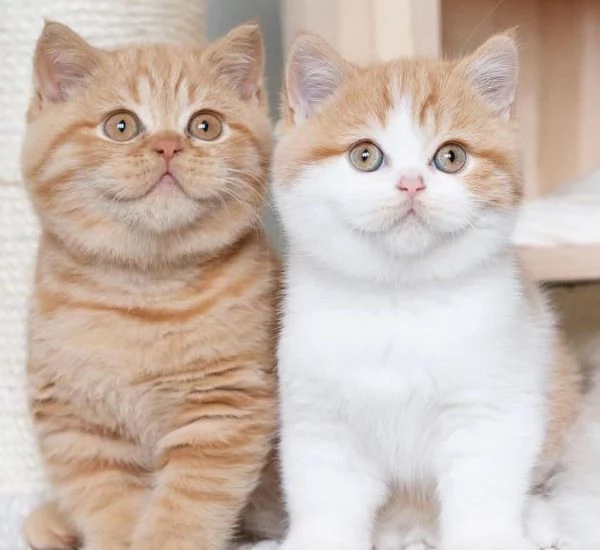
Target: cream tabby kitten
<point>151,335</point>
<point>416,360</point>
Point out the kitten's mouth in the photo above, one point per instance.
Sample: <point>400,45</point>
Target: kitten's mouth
<point>167,180</point>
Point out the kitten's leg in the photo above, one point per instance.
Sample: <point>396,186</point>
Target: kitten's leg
<point>98,481</point>
<point>389,538</point>
<point>484,470</point>
<point>401,526</point>
<point>46,528</point>
<point>332,491</point>
<point>206,470</point>
<point>543,526</point>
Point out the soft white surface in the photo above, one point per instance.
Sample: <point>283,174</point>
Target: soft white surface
<point>105,23</point>
<point>569,215</point>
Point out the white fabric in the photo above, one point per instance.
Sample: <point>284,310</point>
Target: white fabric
<point>569,215</point>
<point>105,23</point>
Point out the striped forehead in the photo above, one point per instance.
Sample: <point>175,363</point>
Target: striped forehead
<point>164,95</point>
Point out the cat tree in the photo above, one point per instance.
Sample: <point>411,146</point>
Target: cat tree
<point>105,23</point>
<point>556,105</point>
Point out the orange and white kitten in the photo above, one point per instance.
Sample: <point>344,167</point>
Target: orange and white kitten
<point>151,366</point>
<point>416,360</point>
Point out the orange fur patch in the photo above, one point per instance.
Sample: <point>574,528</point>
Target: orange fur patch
<point>444,107</point>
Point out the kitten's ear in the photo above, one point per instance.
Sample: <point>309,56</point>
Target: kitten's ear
<point>239,57</point>
<point>313,73</point>
<point>62,62</point>
<point>493,71</point>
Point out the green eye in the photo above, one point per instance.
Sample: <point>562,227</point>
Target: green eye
<point>450,158</point>
<point>366,156</point>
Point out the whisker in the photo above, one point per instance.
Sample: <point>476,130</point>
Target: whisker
<point>481,22</point>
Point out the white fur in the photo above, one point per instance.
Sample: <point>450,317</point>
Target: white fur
<point>567,216</point>
<point>263,545</point>
<point>568,515</point>
<point>573,502</point>
<point>409,353</point>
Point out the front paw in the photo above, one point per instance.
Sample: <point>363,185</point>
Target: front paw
<point>263,545</point>
<point>315,543</point>
<point>544,528</point>
<point>46,529</point>
<point>490,542</point>
<point>400,541</point>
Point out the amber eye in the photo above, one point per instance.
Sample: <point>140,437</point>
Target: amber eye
<point>450,158</point>
<point>206,126</point>
<point>366,156</point>
<point>122,126</point>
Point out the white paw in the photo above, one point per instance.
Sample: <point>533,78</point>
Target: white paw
<point>390,540</point>
<point>306,543</point>
<point>490,543</point>
<point>419,545</point>
<point>400,544</point>
<point>417,538</point>
<point>543,526</point>
<point>263,545</point>
<point>399,541</point>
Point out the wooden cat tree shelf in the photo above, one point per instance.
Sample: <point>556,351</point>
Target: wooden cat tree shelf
<point>557,104</point>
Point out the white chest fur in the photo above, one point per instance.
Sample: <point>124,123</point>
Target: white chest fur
<point>406,379</point>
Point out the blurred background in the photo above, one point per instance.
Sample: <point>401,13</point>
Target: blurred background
<point>559,230</point>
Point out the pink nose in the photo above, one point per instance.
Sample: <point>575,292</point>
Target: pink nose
<point>168,148</point>
<point>411,185</point>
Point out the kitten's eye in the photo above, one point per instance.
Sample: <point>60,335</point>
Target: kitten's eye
<point>206,126</point>
<point>122,126</point>
<point>366,156</point>
<point>450,158</point>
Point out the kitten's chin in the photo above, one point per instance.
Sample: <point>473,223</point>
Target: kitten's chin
<point>163,211</point>
<point>409,234</point>
<point>404,256</point>
<point>166,208</point>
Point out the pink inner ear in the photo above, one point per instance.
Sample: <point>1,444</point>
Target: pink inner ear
<point>314,73</point>
<point>63,60</point>
<point>50,84</point>
<point>58,76</point>
<point>239,59</point>
<point>493,72</point>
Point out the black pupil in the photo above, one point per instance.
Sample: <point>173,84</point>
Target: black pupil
<point>121,126</point>
<point>365,155</point>
<point>204,126</point>
<point>450,155</point>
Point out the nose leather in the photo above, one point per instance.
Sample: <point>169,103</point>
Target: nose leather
<point>167,147</point>
<point>411,185</point>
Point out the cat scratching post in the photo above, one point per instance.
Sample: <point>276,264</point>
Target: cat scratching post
<point>105,23</point>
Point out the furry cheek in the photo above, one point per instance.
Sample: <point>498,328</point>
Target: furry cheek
<point>447,205</point>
